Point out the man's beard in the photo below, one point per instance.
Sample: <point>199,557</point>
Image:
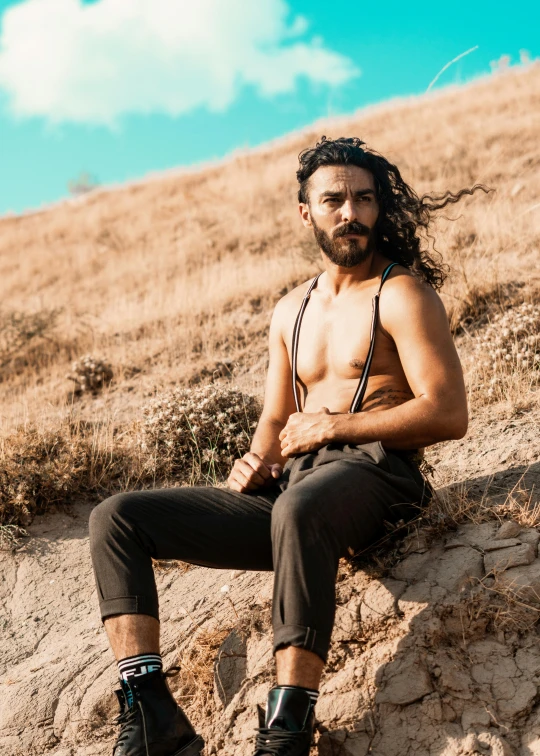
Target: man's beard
<point>346,252</point>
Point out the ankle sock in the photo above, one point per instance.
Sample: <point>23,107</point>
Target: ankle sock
<point>142,664</point>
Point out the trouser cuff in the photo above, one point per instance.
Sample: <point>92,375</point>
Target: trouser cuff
<point>128,605</point>
<point>302,637</point>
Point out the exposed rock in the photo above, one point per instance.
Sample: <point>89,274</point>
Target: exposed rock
<point>524,581</point>
<point>532,536</point>
<point>475,716</point>
<point>405,680</point>
<point>259,654</point>
<point>342,707</point>
<point>455,568</point>
<point>380,600</point>
<point>347,621</point>
<point>411,567</point>
<point>478,535</point>
<point>229,668</point>
<point>508,529</point>
<point>343,743</point>
<point>500,544</point>
<point>453,675</point>
<point>524,693</point>
<point>504,559</point>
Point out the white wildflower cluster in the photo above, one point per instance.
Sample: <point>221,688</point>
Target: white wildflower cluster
<point>90,373</point>
<point>195,434</point>
<point>510,344</point>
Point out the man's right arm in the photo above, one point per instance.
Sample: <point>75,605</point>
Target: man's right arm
<point>264,461</point>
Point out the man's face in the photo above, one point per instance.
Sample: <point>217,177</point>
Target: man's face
<point>342,211</point>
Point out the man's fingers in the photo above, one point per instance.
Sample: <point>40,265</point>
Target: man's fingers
<point>257,464</point>
<point>247,471</point>
<point>244,483</point>
<point>235,486</point>
<point>283,433</point>
<point>277,471</point>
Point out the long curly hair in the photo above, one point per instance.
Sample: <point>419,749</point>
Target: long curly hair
<point>403,215</point>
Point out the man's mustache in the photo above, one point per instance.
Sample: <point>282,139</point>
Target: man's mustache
<point>352,228</point>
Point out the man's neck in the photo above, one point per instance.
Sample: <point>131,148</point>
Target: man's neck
<point>338,279</point>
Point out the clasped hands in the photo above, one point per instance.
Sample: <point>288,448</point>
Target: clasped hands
<point>304,432</point>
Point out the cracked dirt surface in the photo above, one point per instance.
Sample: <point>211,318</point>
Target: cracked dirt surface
<point>418,664</point>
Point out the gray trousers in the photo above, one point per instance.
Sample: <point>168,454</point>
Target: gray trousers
<point>325,504</point>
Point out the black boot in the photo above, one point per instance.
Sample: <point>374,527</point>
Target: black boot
<point>152,723</point>
<point>287,729</point>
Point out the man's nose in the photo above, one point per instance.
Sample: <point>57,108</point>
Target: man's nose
<point>349,211</point>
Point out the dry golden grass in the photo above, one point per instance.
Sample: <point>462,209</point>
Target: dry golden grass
<point>168,280</point>
<point>195,692</point>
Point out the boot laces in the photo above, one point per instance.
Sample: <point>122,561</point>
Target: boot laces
<point>128,721</point>
<point>276,742</point>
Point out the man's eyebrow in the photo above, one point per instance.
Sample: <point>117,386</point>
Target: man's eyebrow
<point>359,193</point>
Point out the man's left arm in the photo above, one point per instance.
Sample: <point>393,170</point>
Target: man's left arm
<point>416,320</point>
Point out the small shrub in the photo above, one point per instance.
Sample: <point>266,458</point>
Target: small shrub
<point>90,374</point>
<point>505,350</point>
<point>195,434</point>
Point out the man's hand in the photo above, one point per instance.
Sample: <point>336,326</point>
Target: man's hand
<point>306,432</point>
<point>250,473</point>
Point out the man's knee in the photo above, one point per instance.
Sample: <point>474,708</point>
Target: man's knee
<point>296,512</point>
<point>106,516</point>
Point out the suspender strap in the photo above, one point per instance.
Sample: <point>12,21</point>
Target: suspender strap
<point>362,384</point>
<point>295,338</point>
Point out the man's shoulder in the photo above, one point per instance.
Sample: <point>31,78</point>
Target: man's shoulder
<point>292,300</point>
<point>407,299</point>
<point>402,284</point>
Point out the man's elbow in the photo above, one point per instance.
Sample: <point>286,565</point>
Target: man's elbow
<point>456,425</point>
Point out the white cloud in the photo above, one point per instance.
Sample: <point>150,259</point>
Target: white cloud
<point>94,63</point>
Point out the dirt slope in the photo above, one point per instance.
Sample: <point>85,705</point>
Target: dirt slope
<point>424,661</point>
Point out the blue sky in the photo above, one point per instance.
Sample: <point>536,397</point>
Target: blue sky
<point>124,88</point>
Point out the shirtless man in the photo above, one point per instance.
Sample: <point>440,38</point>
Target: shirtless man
<point>363,373</point>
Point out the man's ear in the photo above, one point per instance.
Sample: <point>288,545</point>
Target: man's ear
<point>303,208</point>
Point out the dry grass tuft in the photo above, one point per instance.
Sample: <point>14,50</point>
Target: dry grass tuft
<point>494,602</point>
<point>195,692</point>
<point>40,470</point>
<point>196,434</point>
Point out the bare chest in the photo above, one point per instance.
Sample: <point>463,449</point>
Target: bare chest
<point>334,342</point>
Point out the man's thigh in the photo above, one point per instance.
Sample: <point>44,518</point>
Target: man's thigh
<point>354,499</point>
<point>205,525</point>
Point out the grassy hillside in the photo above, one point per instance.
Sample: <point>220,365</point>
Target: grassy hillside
<point>172,281</point>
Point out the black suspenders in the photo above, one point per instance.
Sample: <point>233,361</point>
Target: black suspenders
<point>295,337</point>
<point>362,384</point>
